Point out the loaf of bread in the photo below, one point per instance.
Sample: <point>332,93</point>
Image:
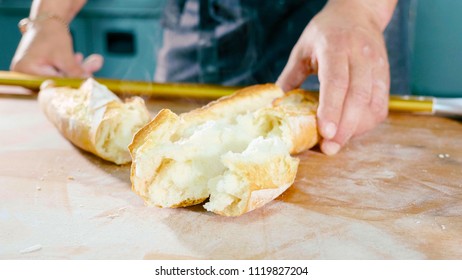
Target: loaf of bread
<point>94,119</point>
<point>235,152</point>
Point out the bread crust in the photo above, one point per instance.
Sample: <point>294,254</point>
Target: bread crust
<point>295,111</point>
<point>265,184</point>
<point>299,117</point>
<point>162,126</point>
<point>81,115</point>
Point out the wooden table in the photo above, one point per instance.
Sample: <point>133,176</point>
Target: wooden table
<point>394,193</point>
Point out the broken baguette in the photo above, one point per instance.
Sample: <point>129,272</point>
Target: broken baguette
<point>94,119</point>
<point>235,152</point>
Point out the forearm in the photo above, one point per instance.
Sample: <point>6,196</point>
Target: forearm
<point>65,9</point>
<point>379,11</point>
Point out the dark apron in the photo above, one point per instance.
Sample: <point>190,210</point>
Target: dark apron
<point>232,42</point>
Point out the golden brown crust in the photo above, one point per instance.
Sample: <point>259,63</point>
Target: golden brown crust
<point>264,184</point>
<point>52,102</point>
<point>90,117</point>
<point>163,124</point>
<point>255,200</point>
<point>300,116</point>
<point>189,202</point>
<point>244,100</point>
<point>163,117</point>
<point>267,179</point>
<point>294,114</point>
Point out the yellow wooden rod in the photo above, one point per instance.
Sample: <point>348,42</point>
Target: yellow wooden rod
<point>397,103</point>
<point>168,89</point>
<point>413,104</point>
<point>124,87</point>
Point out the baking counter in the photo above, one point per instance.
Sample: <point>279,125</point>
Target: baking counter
<point>394,193</point>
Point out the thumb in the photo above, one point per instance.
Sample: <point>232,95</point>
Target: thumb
<point>93,63</point>
<point>296,70</point>
<point>78,57</point>
<point>70,68</point>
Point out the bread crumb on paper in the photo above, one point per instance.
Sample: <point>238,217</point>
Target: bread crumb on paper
<point>112,216</point>
<point>116,214</point>
<point>31,249</point>
<point>71,178</point>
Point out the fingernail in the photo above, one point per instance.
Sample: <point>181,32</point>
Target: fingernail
<point>330,148</point>
<point>329,131</point>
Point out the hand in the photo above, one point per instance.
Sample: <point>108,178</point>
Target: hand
<point>344,45</point>
<point>46,50</point>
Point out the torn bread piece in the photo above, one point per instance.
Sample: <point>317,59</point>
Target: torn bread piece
<point>94,119</point>
<point>235,151</point>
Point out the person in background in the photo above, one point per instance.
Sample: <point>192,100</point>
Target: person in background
<point>242,42</point>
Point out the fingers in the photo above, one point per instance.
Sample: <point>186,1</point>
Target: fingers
<point>357,99</point>
<point>78,58</point>
<point>346,87</point>
<point>44,70</point>
<point>380,89</point>
<point>366,101</point>
<point>39,69</point>
<point>47,50</point>
<point>351,62</point>
<point>70,69</point>
<point>67,64</point>
<point>79,67</point>
<point>334,81</point>
<point>93,63</point>
<point>297,69</point>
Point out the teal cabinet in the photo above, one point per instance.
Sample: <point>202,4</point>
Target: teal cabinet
<point>129,46</point>
<point>437,48</point>
<point>127,33</point>
<point>9,35</point>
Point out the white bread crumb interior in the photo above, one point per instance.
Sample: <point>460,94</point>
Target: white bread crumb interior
<point>233,152</point>
<point>95,119</point>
